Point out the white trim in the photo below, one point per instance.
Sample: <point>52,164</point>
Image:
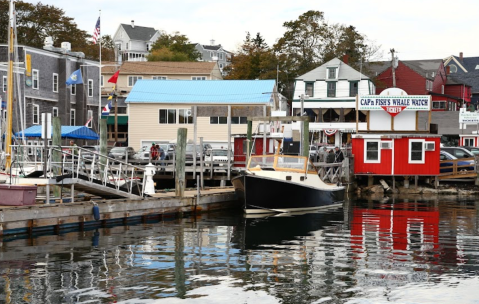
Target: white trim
<point>366,161</point>
<point>37,72</point>
<point>41,98</point>
<point>53,112</point>
<point>74,117</point>
<point>4,84</point>
<point>89,115</point>
<point>92,87</point>
<point>423,157</point>
<point>71,89</point>
<point>168,123</point>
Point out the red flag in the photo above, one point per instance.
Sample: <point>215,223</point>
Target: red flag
<point>114,78</point>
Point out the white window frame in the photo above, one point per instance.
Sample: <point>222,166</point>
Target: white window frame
<point>89,116</point>
<point>73,89</point>
<point>130,80</point>
<point>423,157</point>
<point>90,87</point>
<point>36,114</point>
<point>5,83</point>
<point>167,121</point>
<point>372,161</point>
<point>328,70</point>
<point>55,83</point>
<point>72,117</point>
<point>185,114</point>
<point>159,77</point>
<point>35,79</point>
<point>469,140</point>
<point>55,109</point>
<point>198,78</point>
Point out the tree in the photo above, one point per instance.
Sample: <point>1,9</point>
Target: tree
<point>92,51</point>
<point>173,47</point>
<point>35,22</point>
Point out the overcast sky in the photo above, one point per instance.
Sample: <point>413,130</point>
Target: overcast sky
<point>416,29</point>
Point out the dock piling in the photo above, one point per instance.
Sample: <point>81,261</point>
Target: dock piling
<point>180,154</point>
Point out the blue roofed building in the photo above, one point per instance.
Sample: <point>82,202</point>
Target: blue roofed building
<point>157,108</point>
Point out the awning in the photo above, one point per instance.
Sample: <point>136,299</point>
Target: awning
<point>78,132</point>
<point>122,120</point>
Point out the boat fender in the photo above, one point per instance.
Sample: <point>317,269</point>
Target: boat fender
<point>96,238</point>
<point>96,212</point>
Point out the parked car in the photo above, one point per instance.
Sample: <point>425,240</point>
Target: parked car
<point>218,155</point>
<point>121,153</point>
<point>458,152</point>
<point>169,150</point>
<point>444,156</point>
<point>190,150</point>
<point>473,150</point>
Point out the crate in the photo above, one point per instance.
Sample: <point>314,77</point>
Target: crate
<point>17,195</point>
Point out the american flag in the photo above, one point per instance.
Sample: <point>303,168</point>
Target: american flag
<point>96,32</point>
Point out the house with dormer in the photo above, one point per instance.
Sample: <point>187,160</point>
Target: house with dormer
<point>465,70</point>
<point>327,95</point>
<point>214,53</point>
<point>133,42</point>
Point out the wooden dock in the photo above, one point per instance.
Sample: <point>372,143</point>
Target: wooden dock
<point>79,215</point>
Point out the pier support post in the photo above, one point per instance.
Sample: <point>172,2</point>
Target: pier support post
<point>103,144</point>
<point>370,180</point>
<point>406,182</point>
<point>180,154</point>
<point>56,155</point>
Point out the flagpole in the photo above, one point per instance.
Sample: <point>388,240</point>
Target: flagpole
<point>99,78</point>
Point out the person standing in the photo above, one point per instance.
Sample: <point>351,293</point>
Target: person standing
<point>153,152</point>
<point>338,155</point>
<point>74,148</point>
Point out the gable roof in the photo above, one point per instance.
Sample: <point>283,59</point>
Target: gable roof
<point>345,72</point>
<point>374,68</point>
<point>139,32</point>
<point>161,67</point>
<point>424,68</point>
<point>201,92</point>
<point>471,79</point>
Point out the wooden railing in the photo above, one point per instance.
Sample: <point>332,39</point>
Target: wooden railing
<point>457,168</point>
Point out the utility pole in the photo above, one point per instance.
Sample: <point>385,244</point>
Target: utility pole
<point>393,68</point>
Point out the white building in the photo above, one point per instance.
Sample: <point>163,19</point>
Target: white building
<point>134,42</point>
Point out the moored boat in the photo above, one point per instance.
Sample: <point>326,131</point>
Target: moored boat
<point>283,183</point>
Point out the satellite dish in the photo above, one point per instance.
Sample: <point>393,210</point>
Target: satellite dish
<point>188,112</point>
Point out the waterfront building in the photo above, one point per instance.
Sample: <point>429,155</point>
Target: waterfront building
<point>214,53</point>
<point>133,42</point>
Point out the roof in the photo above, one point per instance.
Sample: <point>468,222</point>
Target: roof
<point>470,78</point>
<point>345,72</point>
<point>469,63</point>
<point>161,67</point>
<point>78,132</point>
<point>139,32</point>
<point>373,69</point>
<point>206,91</point>
<point>424,67</point>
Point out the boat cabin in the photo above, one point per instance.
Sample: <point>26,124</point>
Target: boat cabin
<point>240,147</point>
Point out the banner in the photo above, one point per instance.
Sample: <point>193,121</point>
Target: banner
<point>330,132</point>
<point>394,104</point>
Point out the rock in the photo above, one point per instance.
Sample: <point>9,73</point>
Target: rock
<point>373,189</point>
<point>410,190</point>
<point>448,191</point>
<point>429,191</point>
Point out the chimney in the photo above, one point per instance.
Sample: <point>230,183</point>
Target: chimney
<point>132,23</point>
<point>212,41</point>
<point>346,58</point>
<point>448,70</point>
<point>460,56</point>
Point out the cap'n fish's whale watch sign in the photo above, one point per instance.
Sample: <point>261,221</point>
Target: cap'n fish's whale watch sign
<point>394,104</point>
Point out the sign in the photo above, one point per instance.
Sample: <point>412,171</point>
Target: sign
<point>466,117</point>
<point>28,64</point>
<point>394,104</point>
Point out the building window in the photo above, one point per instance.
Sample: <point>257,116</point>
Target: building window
<point>35,79</point>
<point>72,117</point>
<point>309,89</point>
<point>73,89</point>
<point>371,152</point>
<point>239,120</point>
<point>439,105</point>
<point>159,78</point>
<point>4,83</point>
<point>89,118</point>
<point>90,88</point>
<point>416,151</point>
<point>220,55</point>
<point>55,82</point>
<point>215,120</point>
<point>101,81</point>
<point>245,147</point>
<point>221,66</point>
<point>36,114</point>
<point>167,116</point>
<point>185,116</point>
<point>54,112</point>
<point>353,88</point>
<point>126,47</point>
<point>469,142</point>
<point>452,68</point>
<point>133,79</point>
<point>198,77</point>
<point>331,89</point>
<point>332,73</point>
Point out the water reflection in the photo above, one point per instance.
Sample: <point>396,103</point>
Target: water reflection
<point>392,251</point>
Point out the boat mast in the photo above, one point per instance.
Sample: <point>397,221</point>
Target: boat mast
<point>8,133</point>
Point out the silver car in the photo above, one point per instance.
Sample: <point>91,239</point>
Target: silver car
<point>121,153</point>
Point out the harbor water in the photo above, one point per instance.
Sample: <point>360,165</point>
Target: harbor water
<point>366,251</point>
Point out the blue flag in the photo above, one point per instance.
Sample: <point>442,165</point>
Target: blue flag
<point>106,110</point>
<point>75,78</point>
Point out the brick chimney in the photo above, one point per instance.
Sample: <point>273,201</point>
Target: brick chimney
<point>346,58</point>
<point>460,56</point>
<point>448,70</point>
<point>132,23</point>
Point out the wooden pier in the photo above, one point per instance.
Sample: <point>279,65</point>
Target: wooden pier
<point>79,215</point>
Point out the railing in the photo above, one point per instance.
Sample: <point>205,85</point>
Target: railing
<point>458,168</point>
<point>84,164</point>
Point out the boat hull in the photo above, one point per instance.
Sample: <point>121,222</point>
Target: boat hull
<point>262,195</point>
